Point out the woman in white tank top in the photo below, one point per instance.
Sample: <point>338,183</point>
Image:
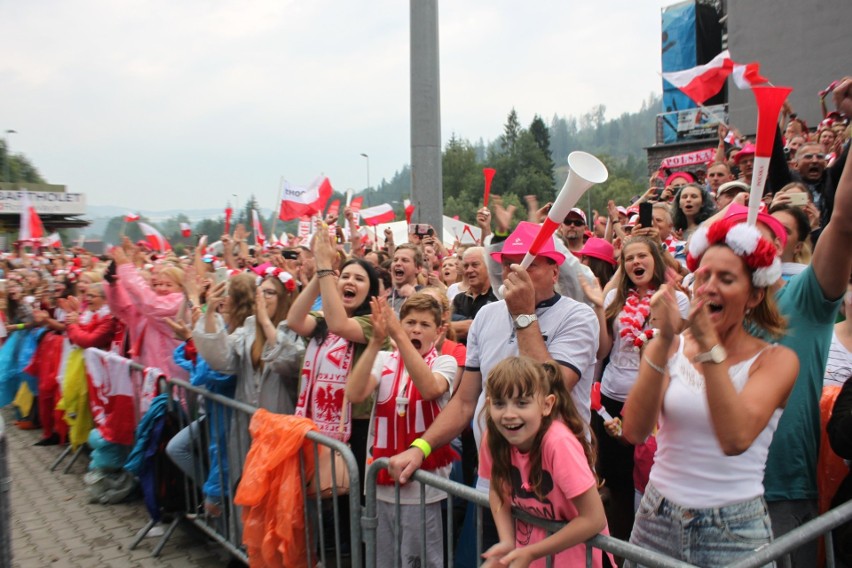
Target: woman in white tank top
<point>717,392</point>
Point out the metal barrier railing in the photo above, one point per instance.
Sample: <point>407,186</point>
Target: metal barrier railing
<point>777,550</point>
<point>226,421</point>
<point>5,503</point>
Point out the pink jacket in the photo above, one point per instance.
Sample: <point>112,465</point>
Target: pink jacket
<point>152,341</point>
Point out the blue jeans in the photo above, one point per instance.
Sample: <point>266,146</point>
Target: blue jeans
<point>704,537</point>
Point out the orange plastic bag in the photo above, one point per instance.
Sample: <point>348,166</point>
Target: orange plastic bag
<point>271,490</point>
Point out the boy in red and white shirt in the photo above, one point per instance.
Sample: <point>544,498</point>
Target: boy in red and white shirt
<point>413,385</point>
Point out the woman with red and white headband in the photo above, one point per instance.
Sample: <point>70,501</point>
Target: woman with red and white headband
<point>718,393</point>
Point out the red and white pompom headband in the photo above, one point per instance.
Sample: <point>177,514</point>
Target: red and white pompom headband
<point>745,240</point>
<point>285,277</point>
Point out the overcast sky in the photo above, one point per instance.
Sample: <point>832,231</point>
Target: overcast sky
<point>156,104</point>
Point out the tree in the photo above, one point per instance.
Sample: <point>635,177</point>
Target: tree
<point>18,167</point>
<point>511,131</point>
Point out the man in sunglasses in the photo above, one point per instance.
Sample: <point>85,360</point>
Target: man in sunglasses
<point>573,230</point>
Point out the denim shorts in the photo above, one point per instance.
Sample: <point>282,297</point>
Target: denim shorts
<point>704,537</point>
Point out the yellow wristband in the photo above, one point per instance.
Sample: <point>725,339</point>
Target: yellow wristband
<point>423,446</point>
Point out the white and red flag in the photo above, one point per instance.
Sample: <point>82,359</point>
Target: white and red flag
<point>52,240</point>
<point>130,217</point>
<point>703,81</point>
<point>31,226</point>
<point>185,230</point>
<point>378,214</point>
<point>304,201</point>
<point>259,236</point>
<point>356,204</point>
<point>111,396</point>
<point>409,210</point>
<point>154,238</point>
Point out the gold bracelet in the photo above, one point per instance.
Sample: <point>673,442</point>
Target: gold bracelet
<point>661,370</point>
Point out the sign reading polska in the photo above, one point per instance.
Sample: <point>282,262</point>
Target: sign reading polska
<point>49,202</point>
<point>700,157</point>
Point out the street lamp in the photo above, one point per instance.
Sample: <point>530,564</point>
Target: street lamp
<point>368,169</point>
<point>237,208</point>
<point>9,157</point>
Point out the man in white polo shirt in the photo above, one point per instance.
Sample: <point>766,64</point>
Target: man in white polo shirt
<point>532,320</point>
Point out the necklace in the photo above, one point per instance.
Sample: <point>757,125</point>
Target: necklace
<point>635,312</point>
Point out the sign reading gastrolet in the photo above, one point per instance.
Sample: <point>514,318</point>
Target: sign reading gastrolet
<point>49,202</point>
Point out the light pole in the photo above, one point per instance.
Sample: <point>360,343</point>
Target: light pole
<point>363,155</point>
<point>237,201</point>
<point>9,156</point>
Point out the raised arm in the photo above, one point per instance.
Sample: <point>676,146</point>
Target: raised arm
<point>832,262</point>
<point>361,382</point>
<point>338,321</point>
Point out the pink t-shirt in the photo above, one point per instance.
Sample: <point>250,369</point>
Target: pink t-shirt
<point>565,475</point>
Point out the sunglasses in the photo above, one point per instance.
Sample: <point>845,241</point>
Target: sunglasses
<point>574,222</point>
<point>814,156</point>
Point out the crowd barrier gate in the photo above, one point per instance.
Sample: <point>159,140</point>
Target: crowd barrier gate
<point>225,528</point>
<point>777,550</point>
<point>325,537</point>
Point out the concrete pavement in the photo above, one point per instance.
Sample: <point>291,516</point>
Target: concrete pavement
<point>54,525</point>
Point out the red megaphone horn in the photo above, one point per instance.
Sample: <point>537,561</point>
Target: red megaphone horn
<point>769,103</point>
<point>489,175</point>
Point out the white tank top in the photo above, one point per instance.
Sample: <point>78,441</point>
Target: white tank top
<point>690,467</point>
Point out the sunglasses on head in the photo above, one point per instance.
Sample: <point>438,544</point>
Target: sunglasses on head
<point>810,156</point>
<point>574,222</point>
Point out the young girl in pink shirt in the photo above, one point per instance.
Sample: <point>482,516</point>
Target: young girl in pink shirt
<point>538,459</point>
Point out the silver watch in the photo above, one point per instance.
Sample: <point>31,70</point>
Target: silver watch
<point>525,320</point>
<point>717,354</point>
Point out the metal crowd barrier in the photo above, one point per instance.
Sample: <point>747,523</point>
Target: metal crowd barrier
<point>777,550</point>
<point>5,502</point>
<point>323,518</point>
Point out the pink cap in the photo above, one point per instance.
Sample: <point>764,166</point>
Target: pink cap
<point>747,150</point>
<point>599,248</point>
<point>518,243</point>
<point>685,176</point>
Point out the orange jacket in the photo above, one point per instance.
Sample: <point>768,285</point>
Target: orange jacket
<point>270,490</point>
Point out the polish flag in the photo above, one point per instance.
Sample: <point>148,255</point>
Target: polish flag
<point>702,82</point>
<point>378,214</point>
<point>111,396</point>
<point>355,206</point>
<point>52,240</point>
<point>409,210</point>
<point>130,217</point>
<point>154,238</point>
<point>31,226</point>
<point>259,237</point>
<point>185,230</point>
<point>301,201</point>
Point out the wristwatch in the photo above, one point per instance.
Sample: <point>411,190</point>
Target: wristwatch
<point>525,320</point>
<point>717,354</point>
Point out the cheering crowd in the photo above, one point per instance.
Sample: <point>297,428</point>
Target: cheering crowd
<point>663,372</point>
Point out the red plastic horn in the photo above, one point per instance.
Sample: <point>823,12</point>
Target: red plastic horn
<point>489,175</point>
<point>769,103</point>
